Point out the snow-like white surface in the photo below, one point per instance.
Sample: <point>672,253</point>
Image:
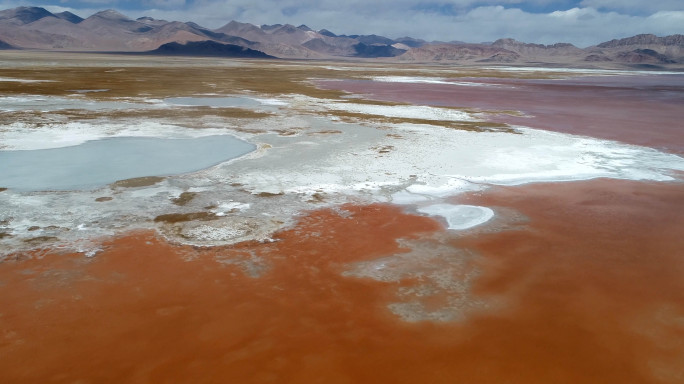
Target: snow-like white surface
<point>24,136</point>
<point>411,164</point>
<point>270,101</point>
<point>404,111</point>
<point>594,72</point>
<point>225,208</point>
<point>429,80</point>
<point>443,162</point>
<point>224,101</point>
<point>15,80</point>
<point>459,217</point>
<point>57,103</point>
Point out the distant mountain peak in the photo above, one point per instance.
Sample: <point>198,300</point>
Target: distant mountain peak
<point>509,43</point>
<point>25,15</point>
<point>111,14</point>
<point>644,39</point>
<point>287,28</point>
<point>70,17</point>
<point>271,27</point>
<point>325,32</point>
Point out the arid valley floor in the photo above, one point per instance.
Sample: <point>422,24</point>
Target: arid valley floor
<point>369,222</point>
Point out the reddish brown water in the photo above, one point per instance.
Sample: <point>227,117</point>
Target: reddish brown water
<point>589,290</point>
<point>643,110</point>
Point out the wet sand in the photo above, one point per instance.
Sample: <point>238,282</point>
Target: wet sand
<point>634,109</point>
<point>588,288</point>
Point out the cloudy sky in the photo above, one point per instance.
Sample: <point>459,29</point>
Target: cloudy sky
<point>581,22</point>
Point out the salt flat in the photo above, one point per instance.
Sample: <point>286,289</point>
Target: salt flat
<point>307,156</point>
<point>441,225</point>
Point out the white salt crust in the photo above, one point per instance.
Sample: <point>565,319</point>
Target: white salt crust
<point>288,174</point>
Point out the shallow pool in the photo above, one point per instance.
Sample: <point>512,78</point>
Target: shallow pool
<point>100,162</point>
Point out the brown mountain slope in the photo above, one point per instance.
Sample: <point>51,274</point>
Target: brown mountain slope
<point>37,28</point>
<point>460,52</point>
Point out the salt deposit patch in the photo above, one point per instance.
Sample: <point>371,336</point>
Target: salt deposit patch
<point>225,101</point>
<point>225,208</point>
<point>207,232</point>
<point>15,80</point>
<point>436,281</point>
<point>594,72</point>
<point>224,230</point>
<point>267,101</point>
<point>403,111</point>
<point>429,163</point>
<point>81,91</point>
<point>26,136</point>
<point>55,103</point>
<point>459,217</point>
<point>263,190</point>
<point>430,80</point>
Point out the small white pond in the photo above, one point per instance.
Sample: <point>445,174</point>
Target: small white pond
<point>97,163</point>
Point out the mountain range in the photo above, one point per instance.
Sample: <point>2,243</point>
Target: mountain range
<point>111,31</point>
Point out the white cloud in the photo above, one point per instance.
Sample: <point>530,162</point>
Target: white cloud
<point>631,6</point>
<point>582,26</point>
<point>163,3</point>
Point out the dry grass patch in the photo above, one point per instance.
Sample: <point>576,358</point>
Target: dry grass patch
<point>325,132</point>
<point>269,194</point>
<point>184,198</point>
<point>40,240</point>
<point>474,126</point>
<point>173,218</point>
<point>162,82</point>
<point>138,182</point>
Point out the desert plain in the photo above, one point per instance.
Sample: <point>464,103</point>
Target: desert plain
<point>369,222</point>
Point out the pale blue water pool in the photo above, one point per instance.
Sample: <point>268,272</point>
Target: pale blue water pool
<point>100,162</point>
